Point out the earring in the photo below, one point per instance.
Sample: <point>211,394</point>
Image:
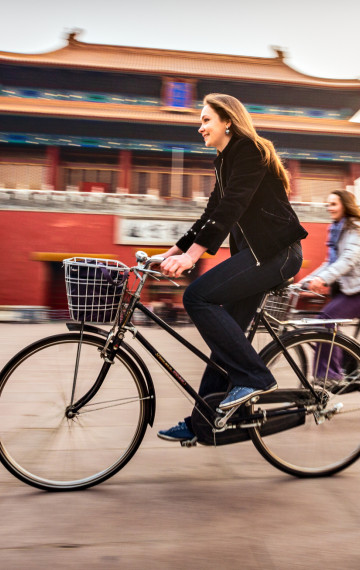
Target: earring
<point>227,131</point>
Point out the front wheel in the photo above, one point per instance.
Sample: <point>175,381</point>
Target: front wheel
<point>43,447</point>
<point>328,438</point>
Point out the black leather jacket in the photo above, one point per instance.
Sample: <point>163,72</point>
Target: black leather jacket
<point>248,202</point>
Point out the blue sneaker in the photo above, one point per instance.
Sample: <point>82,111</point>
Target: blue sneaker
<point>177,433</point>
<point>241,394</point>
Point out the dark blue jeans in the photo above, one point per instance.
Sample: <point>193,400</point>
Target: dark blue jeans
<point>222,302</point>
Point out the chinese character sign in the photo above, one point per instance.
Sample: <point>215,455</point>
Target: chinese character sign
<point>150,231</point>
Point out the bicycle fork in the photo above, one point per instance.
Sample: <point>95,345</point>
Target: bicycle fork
<point>108,354</point>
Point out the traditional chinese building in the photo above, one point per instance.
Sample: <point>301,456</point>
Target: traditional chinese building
<point>100,152</point>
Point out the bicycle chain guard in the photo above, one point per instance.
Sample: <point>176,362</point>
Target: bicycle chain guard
<point>204,432</point>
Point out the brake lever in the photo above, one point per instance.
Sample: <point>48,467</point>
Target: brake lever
<point>171,281</point>
<point>300,289</point>
<point>167,278</point>
<point>152,274</point>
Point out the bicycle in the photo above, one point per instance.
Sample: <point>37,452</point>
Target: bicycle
<point>74,407</point>
<point>285,306</point>
<point>282,308</point>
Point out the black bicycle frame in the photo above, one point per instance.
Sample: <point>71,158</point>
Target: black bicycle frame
<point>261,318</point>
<point>202,404</point>
<point>209,412</point>
<point>290,360</point>
<point>116,344</point>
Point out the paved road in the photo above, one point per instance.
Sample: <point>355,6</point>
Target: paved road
<point>175,508</point>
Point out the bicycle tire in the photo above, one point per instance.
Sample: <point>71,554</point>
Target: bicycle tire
<point>41,446</point>
<point>313,449</point>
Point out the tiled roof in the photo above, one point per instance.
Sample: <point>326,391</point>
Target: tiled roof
<point>155,61</point>
<point>162,115</point>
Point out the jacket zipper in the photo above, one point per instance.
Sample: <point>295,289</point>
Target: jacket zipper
<point>237,223</point>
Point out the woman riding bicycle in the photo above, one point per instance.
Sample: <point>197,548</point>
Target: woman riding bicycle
<point>249,202</point>
<point>340,272</point>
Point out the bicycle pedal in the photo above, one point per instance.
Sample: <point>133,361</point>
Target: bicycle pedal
<point>189,442</point>
<point>252,400</point>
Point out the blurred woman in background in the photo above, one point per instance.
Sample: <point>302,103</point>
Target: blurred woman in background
<point>341,272</point>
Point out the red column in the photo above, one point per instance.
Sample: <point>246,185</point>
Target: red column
<point>354,172</point>
<point>124,162</point>
<point>52,163</point>
<point>293,167</point>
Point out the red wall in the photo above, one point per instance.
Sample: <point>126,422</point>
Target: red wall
<point>314,247</point>
<point>24,281</point>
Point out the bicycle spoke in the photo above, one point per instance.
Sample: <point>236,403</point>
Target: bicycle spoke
<point>84,410</point>
<point>326,439</point>
<point>47,449</point>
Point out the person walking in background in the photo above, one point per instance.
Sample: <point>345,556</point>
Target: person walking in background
<point>249,202</point>
<point>341,272</point>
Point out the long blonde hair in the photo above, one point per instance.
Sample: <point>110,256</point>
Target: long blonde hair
<point>230,108</point>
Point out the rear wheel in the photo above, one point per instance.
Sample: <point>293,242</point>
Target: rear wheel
<point>41,445</point>
<point>328,438</point>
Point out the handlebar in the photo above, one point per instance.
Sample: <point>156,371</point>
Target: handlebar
<point>298,287</point>
<point>154,260</point>
<point>144,264</point>
<point>144,261</point>
<point>303,288</point>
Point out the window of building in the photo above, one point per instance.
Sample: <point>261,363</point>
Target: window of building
<point>165,183</point>
<point>207,183</point>
<point>187,187</point>
<point>90,179</point>
<point>178,93</point>
<point>317,181</point>
<point>142,182</point>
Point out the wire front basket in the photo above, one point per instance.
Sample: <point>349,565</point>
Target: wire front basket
<point>280,304</point>
<point>95,288</point>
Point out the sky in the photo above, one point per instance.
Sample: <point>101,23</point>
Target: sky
<point>320,37</point>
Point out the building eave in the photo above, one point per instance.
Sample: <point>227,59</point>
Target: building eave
<point>127,59</point>
<point>127,113</point>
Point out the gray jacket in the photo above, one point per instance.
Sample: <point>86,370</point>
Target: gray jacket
<point>346,269</point>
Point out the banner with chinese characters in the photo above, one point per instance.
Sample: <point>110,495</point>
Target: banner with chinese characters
<point>149,231</point>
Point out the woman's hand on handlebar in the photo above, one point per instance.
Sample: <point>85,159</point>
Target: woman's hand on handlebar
<point>174,250</point>
<point>177,262</point>
<point>317,285</point>
<point>175,265</point>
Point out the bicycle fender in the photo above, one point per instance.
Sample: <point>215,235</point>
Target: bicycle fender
<point>72,326</point>
<point>147,376</point>
<point>86,328</point>
<point>304,332</point>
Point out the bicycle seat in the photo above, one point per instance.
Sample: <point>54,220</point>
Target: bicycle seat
<point>278,289</point>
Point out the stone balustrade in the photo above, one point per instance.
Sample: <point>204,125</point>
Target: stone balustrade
<point>126,204</point>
